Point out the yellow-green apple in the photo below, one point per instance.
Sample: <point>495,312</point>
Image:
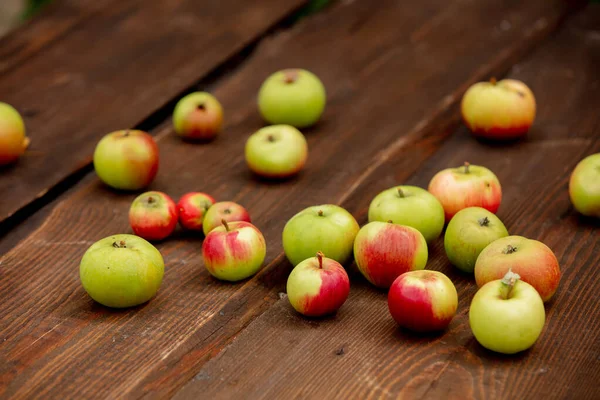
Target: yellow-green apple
<point>466,186</point>
<point>277,151</point>
<point>234,251</point>
<point>13,141</point>
<point>383,251</point>
<point>318,286</point>
<point>121,271</point>
<point>223,210</point>
<point>198,116</point>
<point>584,186</point>
<point>292,96</point>
<point>153,215</point>
<point>507,315</point>
<point>327,228</point>
<point>532,260</point>
<point>468,233</point>
<point>192,208</point>
<point>423,301</point>
<point>126,160</point>
<point>410,206</point>
<point>498,110</point>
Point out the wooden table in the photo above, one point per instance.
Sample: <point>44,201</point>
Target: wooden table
<point>395,72</point>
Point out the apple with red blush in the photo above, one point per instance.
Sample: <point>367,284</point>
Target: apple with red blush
<point>153,215</point>
<point>223,210</point>
<point>318,286</point>
<point>423,301</point>
<point>192,208</point>
<point>234,251</point>
<point>466,186</point>
<point>198,116</point>
<point>13,141</point>
<point>383,251</point>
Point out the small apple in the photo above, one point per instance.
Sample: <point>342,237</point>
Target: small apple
<point>192,208</point>
<point>318,286</point>
<point>198,116</point>
<point>466,186</point>
<point>234,251</point>
<point>507,315</point>
<point>126,160</point>
<point>153,215</point>
<point>327,228</point>
<point>498,110</point>
<point>468,233</point>
<point>423,301</point>
<point>532,260</point>
<point>584,186</point>
<point>383,251</point>
<point>223,210</point>
<point>13,141</point>
<point>292,96</point>
<point>121,271</point>
<point>277,151</point>
<point>410,206</point>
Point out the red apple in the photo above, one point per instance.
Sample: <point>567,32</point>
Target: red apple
<point>498,110</point>
<point>153,215</point>
<point>383,251</point>
<point>533,261</point>
<point>423,301</point>
<point>466,186</point>
<point>224,210</point>
<point>13,141</point>
<point>234,251</point>
<point>318,286</point>
<point>192,208</point>
<point>198,116</point>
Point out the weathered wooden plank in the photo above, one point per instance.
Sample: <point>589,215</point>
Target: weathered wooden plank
<point>360,352</point>
<point>59,343</point>
<point>112,72</point>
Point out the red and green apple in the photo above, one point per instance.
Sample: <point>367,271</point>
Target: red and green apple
<point>192,208</point>
<point>13,141</point>
<point>223,210</point>
<point>584,186</point>
<point>198,116</point>
<point>153,215</point>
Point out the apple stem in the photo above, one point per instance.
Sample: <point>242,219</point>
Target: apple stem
<point>400,192</point>
<point>201,107</point>
<point>509,249</point>
<point>390,221</point>
<point>271,138</point>
<point>126,133</point>
<point>225,225</point>
<point>508,283</point>
<point>484,221</point>
<point>493,80</point>
<point>466,165</point>
<point>320,213</point>
<point>120,245</point>
<point>150,200</point>
<point>291,75</point>
<point>320,256</point>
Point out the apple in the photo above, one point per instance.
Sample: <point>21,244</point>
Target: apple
<point>410,206</point>
<point>153,215</point>
<point>192,208</point>
<point>234,251</point>
<point>327,228</point>
<point>532,260</point>
<point>466,186</point>
<point>501,110</point>
<point>121,271</point>
<point>277,151</point>
<point>126,160</point>
<point>468,233</point>
<point>292,96</point>
<point>507,315</point>
<point>223,210</point>
<point>13,141</point>
<point>198,116</point>
<point>423,301</point>
<point>318,286</point>
<point>584,186</point>
<point>383,251</point>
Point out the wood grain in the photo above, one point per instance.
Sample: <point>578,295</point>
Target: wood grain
<point>60,344</point>
<point>114,71</point>
<point>360,352</point>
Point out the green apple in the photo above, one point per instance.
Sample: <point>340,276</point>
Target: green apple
<point>277,151</point>
<point>292,96</point>
<point>584,186</point>
<point>198,116</point>
<point>468,233</point>
<point>507,315</point>
<point>410,206</point>
<point>13,141</point>
<point>327,228</point>
<point>121,271</point>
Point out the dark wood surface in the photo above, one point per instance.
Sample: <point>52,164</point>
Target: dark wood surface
<point>393,90</point>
